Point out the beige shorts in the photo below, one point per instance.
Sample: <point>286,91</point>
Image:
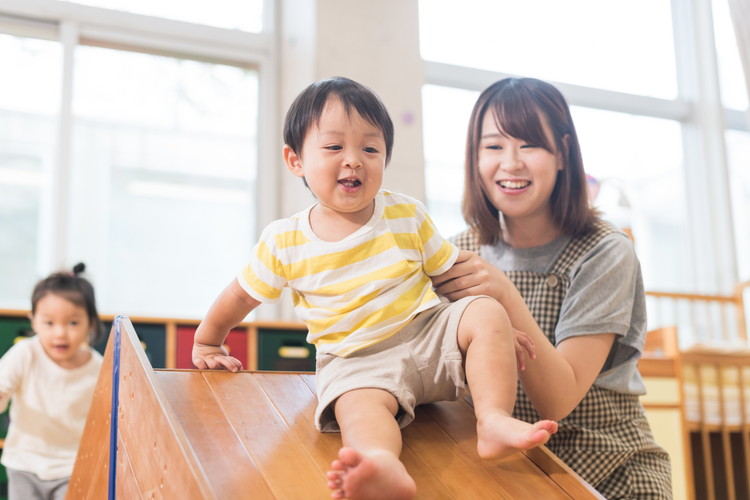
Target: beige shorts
<point>419,364</point>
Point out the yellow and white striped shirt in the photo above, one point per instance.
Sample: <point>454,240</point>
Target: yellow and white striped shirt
<point>360,290</point>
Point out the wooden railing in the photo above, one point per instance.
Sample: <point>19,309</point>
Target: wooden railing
<point>701,318</point>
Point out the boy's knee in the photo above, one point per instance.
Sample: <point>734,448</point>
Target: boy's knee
<point>366,400</point>
<point>488,310</point>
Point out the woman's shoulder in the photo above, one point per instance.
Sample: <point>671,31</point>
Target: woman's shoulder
<point>467,240</point>
<point>609,248</point>
<point>601,236</point>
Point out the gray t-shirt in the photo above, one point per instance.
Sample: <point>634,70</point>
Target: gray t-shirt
<point>606,295</point>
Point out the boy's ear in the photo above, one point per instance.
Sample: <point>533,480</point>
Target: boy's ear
<point>293,161</point>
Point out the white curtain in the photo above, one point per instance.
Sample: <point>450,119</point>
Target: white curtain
<point>740,12</point>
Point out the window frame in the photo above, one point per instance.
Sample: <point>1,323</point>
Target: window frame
<point>75,25</point>
<point>703,121</point>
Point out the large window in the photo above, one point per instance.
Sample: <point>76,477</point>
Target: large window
<point>738,150</point>
<point>130,143</point>
<point>733,88</point>
<point>633,93</point>
<point>583,42</point>
<point>165,167</point>
<point>29,100</point>
<point>637,161</point>
<point>244,15</point>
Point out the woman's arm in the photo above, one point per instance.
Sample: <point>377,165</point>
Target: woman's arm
<point>558,378</point>
<point>227,311</point>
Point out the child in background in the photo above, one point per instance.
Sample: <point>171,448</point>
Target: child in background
<point>50,379</point>
<point>358,263</point>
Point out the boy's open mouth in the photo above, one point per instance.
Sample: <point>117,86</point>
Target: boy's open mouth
<point>350,182</point>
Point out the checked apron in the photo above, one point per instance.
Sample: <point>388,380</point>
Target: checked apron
<point>606,439</point>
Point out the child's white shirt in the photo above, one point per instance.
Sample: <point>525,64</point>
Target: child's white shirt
<point>48,410</point>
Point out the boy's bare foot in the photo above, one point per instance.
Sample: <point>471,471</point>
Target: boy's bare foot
<point>372,476</point>
<point>500,435</point>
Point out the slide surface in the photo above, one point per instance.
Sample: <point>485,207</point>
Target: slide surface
<point>218,435</point>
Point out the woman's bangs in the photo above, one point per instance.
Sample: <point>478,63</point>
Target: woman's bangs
<point>523,121</point>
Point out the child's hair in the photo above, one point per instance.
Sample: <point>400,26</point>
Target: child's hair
<point>76,289</point>
<point>306,109</point>
<point>522,107</point>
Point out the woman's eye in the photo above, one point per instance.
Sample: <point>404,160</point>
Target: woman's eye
<point>493,146</point>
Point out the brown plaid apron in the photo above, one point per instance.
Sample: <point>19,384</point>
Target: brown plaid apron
<point>606,439</point>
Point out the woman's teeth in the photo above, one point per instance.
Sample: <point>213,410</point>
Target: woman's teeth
<point>514,184</point>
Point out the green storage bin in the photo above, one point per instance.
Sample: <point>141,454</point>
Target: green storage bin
<point>10,328</point>
<point>3,482</point>
<point>153,336</point>
<point>285,350</point>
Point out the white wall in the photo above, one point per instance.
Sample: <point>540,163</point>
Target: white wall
<point>373,42</point>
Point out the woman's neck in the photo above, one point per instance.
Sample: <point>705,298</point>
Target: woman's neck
<point>529,232</point>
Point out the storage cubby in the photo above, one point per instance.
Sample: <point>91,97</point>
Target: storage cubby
<point>168,343</point>
<point>235,344</point>
<point>284,350</point>
<point>153,337</point>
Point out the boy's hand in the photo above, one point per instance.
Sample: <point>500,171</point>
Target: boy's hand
<point>212,357</point>
<point>524,345</point>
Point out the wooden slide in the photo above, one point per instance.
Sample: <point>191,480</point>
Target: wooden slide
<point>199,434</point>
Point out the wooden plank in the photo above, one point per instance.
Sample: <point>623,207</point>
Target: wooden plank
<point>252,348</point>
<point>451,464</point>
<point>536,473</point>
<point>458,420</point>
<point>232,472</point>
<point>214,435</point>
<point>170,342</point>
<point>294,400</point>
<point>161,456</point>
<point>91,468</point>
<point>657,367</point>
<point>565,477</point>
<point>284,462</point>
<point>126,486</point>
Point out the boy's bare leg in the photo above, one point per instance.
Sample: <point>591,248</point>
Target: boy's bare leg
<point>368,465</point>
<point>485,337</point>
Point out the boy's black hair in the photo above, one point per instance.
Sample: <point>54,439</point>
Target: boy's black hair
<point>306,109</point>
<point>77,290</point>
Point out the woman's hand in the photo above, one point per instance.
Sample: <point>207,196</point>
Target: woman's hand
<point>471,275</point>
